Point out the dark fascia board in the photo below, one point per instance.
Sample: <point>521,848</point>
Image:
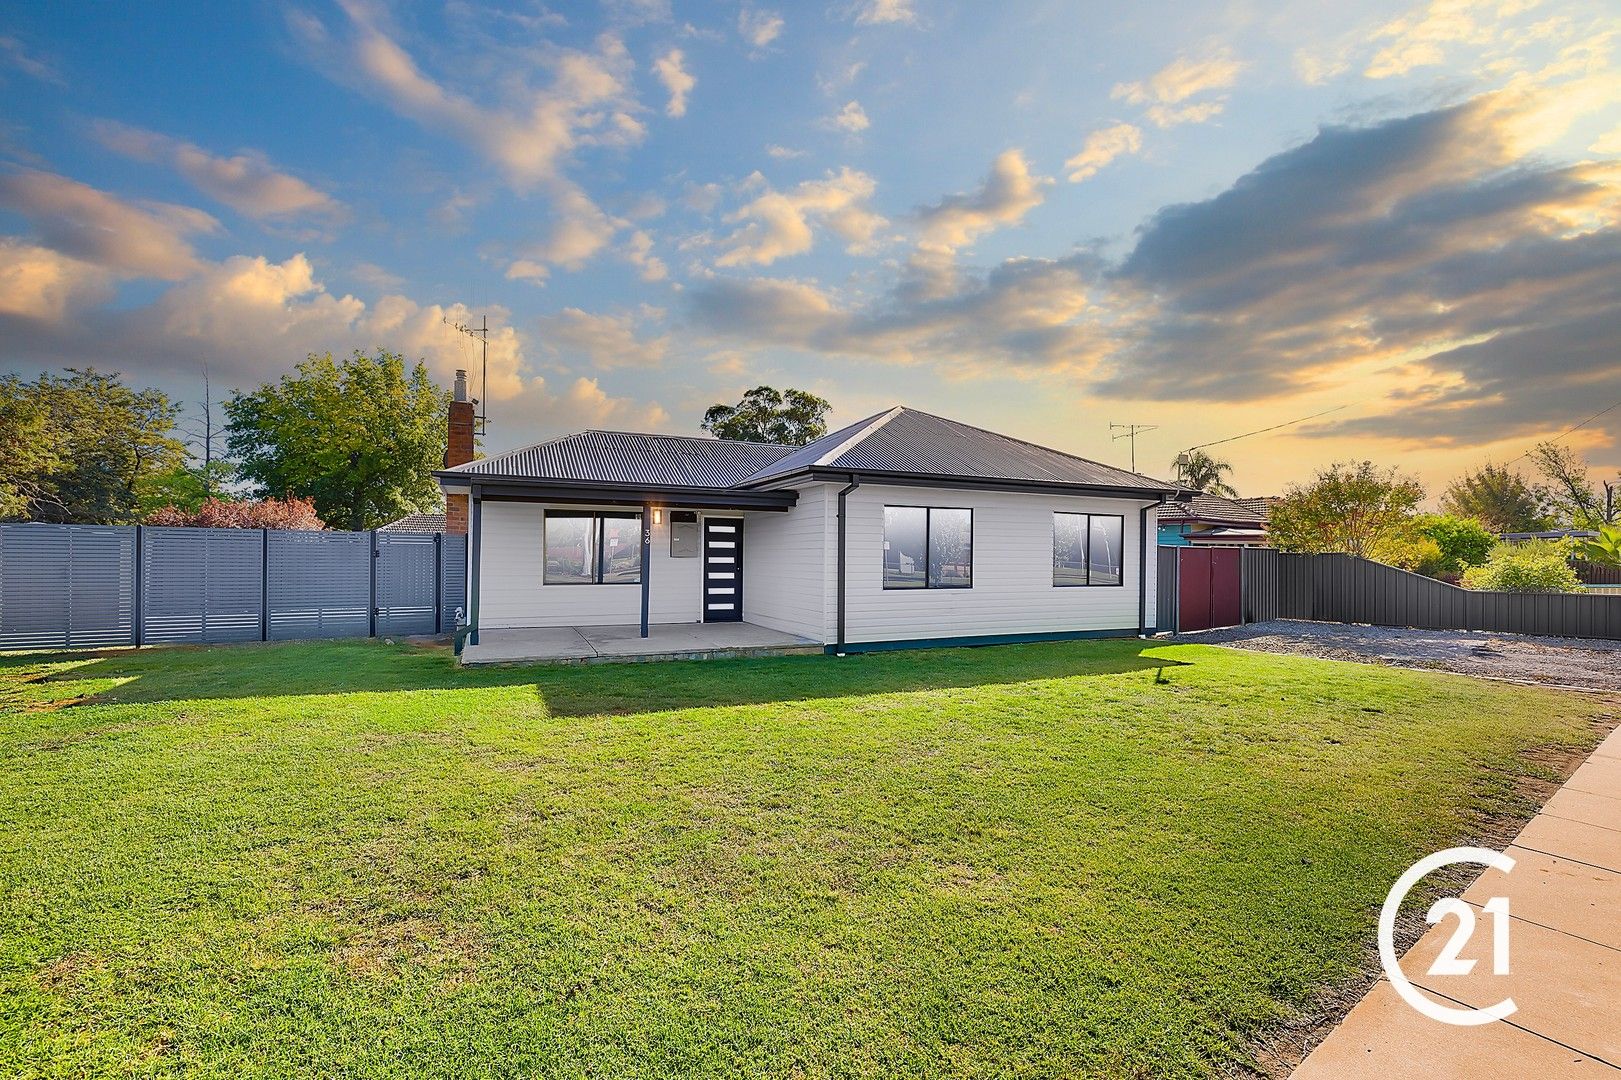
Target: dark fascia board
<point>529,489</point>
<point>979,483</point>
<point>1232,523</point>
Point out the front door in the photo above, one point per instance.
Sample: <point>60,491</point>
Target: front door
<point>723,569</point>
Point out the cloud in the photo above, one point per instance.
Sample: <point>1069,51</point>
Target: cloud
<point>1608,143</point>
<point>783,153</point>
<point>639,253</point>
<point>758,28</point>
<point>145,240</point>
<point>14,53</point>
<point>602,341</point>
<point>1419,38</point>
<point>777,224</point>
<point>40,284</point>
<point>851,119</point>
<point>1008,192</point>
<point>676,81</point>
<point>529,132</point>
<point>879,12</point>
<point>1101,148</point>
<point>247,182</point>
<point>1166,94</point>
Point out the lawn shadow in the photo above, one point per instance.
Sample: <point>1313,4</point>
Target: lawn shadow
<point>346,667</point>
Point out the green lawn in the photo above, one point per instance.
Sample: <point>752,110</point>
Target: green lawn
<point>1097,858</point>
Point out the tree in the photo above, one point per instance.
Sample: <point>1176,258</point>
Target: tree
<point>791,418</point>
<point>1207,474</point>
<point>360,437</point>
<point>183,487</point>
<point>1604,549</point>
<point>242,514</point>
<point>1348,507</point>
<point>1498,498</point>
<point>1570,493</point>
<point>1462,542</point>
<point>79,447</point>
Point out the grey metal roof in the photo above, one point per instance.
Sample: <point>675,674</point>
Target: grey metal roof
<point>624,457</point>
<point>908,441</point>
<point>416,523</point>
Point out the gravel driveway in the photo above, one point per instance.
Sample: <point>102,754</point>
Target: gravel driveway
<point>1590,665</point>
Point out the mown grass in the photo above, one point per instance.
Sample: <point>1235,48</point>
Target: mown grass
<point>352,859</point>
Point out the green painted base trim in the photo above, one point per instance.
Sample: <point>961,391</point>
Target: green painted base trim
<point>983,639</point>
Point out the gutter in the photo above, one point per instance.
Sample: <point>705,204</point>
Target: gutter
<point>838,644</point>
<point>1142,567</point>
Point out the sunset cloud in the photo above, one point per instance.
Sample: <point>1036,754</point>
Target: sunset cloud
<point>777,224</point>
<point>149,239</point>
<point>1167,94</point>
<point>677,83</point>
<point>1102,147</point>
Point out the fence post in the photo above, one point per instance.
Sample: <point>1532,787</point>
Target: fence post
<point>371,607</point>
<point>438,583</point>
<point>264,584</point>
<point>140,567</point>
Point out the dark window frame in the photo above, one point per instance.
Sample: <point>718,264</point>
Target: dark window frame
<point>1086,553</point>
<point>928,530</point>
<point>599,547</point>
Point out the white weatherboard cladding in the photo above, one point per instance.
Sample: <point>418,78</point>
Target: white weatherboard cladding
<point>1013,591</point>
<point>511,570</point>
<point>786,568</point>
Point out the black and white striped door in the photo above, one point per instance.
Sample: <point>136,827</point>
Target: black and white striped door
<point>723,569</point>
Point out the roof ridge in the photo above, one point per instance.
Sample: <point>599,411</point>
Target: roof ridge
<point>688,438</point>
<point>865,428</point>
<point>1032,445</point>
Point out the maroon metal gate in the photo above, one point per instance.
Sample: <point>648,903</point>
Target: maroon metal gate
<point>1210,588</point>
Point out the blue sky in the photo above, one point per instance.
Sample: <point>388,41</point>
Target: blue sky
<point>1037,217</point>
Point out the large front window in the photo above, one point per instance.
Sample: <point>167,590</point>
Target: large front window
<point>593,548</point>
<point>928,547</point>
<point>1088,549</point>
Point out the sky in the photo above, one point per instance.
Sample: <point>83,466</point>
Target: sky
<point>1402,220</point>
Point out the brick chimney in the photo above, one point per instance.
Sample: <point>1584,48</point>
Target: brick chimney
<point>458,451</point>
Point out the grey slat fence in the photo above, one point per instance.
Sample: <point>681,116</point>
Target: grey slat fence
<point>1166,586</point>
<point>1344,588</point>
<point>86,586</point>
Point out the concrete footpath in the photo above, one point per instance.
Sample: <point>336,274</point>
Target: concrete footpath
<point>1565,937</point>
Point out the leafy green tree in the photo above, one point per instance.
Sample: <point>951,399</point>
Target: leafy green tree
<point>791,417</point>
<point>1532,566</point>
<point>1571,494</point>
<point>1462,542</point>
<point>1207,474</point>
<point>1348,507</point>
<point>80,446</point>
<point>185,487</point>
<point>1499,499</point>
<point>360,437</point>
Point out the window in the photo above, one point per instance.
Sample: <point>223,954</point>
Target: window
<point>928,547</point>
<point>1088,549</point>
<point>592,549</point>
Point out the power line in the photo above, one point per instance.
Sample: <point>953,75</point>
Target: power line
<point>1274,427</point>
<point>1568,430</point>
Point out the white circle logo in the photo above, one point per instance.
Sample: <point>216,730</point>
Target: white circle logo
<point>1449,962</point>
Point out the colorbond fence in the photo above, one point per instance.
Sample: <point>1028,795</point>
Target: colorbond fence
<point>1343,588</point>
<point>85,586</point>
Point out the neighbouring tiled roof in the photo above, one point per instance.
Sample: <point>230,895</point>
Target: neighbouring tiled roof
<point>416,523</point>
<point>1261,504</point>
<point>911,442</point>
<point>1213,508</point>
<point>623,457</point>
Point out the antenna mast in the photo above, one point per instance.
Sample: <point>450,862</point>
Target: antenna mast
<point>1130,431</point>
<point>482,333</point>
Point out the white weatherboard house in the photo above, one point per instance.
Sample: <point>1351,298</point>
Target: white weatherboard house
<point>902,530</point>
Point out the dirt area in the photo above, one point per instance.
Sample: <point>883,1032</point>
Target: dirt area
<point>1568,662</point>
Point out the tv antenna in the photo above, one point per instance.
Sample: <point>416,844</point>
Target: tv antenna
<point>482,333</point>
<point>1130,431</point>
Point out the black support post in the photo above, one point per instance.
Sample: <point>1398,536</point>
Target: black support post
<point>838,644</point>
<point>475,530</point>
<point>647,551</point>
<point>139,629</point>
<point>264,584</point>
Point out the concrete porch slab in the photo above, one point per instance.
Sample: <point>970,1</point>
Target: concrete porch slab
<point>624,643</point>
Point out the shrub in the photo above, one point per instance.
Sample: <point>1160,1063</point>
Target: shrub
<point>1409,550</point>
<point>1530,567</point>
<point>1463,542</point>
<point>291,513</point>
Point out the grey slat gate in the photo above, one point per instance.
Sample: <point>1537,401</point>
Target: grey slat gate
<point>407,583</point>
<point>66,586</point>
<point>201,586</point>
<point>1165,589</point>
<point>452,580</point>
<point>319,584</point>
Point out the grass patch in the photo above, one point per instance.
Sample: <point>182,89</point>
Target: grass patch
<point>1099,858</point>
